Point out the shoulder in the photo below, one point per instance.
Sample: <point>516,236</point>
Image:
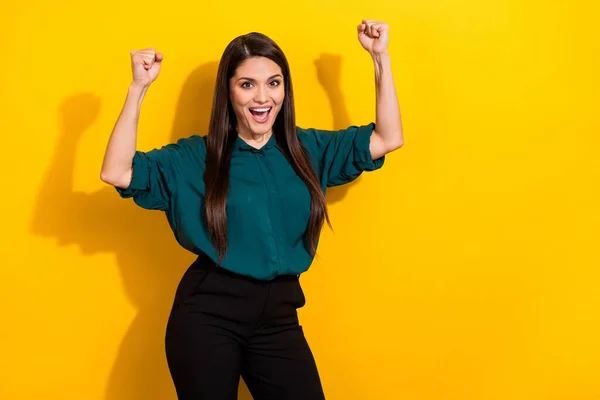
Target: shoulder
<point>322,137</point>
<point>194,144</point>
<point>312,138</point>
<point>311,133</point>
<point>191,149</point>
<point>188,147</point>
<point>331,143</point>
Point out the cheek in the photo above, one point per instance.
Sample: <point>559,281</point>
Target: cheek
<point>279,96</point>
<point>239,99</point>
<point>238,103</point>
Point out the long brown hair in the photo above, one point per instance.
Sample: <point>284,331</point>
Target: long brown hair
<point>222,136</point>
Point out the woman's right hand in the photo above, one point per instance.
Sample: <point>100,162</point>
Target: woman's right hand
<point>145,65</point>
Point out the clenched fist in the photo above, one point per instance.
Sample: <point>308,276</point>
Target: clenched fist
<point>373,35</point>
<point>145,65</point>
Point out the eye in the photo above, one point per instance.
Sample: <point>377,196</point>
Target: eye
<point>246,85</point>
<point>276,82</point>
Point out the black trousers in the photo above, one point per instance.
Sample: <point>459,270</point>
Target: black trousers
<point>224,325</point>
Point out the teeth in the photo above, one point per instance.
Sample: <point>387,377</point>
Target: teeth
<point>261,109</point>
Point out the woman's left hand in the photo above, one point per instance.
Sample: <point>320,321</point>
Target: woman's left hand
<point>373,35</point>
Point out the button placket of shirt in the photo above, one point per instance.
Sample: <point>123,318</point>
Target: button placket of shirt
<point>276,210</point>
<point>259,157</point>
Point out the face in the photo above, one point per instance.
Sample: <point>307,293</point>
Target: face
<point>256,92</point>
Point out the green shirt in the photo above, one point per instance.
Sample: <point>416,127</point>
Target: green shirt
<point>268,205</point>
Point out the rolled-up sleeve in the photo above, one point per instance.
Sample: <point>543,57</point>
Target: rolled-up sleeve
<point>341,156</point>
<point>153,178</point>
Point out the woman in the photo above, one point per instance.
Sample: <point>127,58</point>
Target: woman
<point>249,200</point>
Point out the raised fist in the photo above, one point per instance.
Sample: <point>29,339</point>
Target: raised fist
<point>145,65</point>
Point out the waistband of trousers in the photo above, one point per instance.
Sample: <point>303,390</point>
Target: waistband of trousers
<point>204,262</point>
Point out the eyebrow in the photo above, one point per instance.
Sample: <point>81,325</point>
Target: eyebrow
<point>254,80</point>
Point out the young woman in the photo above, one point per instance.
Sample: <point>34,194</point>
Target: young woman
<point>249,200</point>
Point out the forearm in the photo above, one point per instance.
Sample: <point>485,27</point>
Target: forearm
<point>388,121</point>
<point>116,167</point>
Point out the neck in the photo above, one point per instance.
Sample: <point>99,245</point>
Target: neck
<point>253,139</point>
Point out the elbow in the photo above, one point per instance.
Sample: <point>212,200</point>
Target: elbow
<point>118,180</point>
<point>107,178</point>
<point>104,177</point>
<point>396,144</point>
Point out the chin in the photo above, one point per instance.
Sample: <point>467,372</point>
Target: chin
<point>258,129</point>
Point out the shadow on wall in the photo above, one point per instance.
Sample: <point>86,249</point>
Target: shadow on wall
<point>150,261</point>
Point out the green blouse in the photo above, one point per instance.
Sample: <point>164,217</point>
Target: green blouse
<point>268,205</point>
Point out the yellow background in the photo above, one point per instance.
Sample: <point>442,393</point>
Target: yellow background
<point>467,268</point>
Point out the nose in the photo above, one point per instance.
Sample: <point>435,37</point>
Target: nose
<point>261,95</point>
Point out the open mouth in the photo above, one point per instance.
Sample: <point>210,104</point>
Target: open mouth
<point>260,114</point>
